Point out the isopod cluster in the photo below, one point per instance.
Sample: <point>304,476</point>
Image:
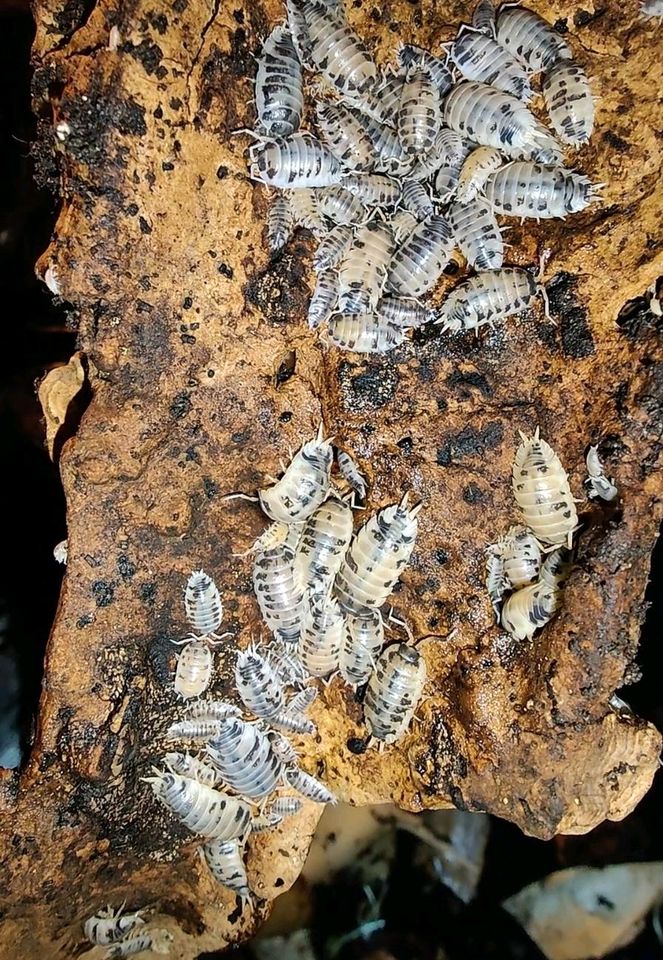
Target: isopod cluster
<point>406,163</point>
<point>124,934</point>
<point>532,561</point>
<point>320,586</point>
<point>241,774</point>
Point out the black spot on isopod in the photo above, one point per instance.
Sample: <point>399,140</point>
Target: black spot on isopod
<point>103,593</point>
<point>181,405</point>
<point>571,314</point>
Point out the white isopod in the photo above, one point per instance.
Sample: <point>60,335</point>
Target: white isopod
<point>345,133</point>
<point>278,88</point>
<point>527,189</point>
<point>416,199</point>
<point>194,669</point>
<point>377,557</point>
<point>202,809</point>
<point>489,296</point>
<point>449,150</point>
<point>323,626</point>
<point>158,941</point>
<point>410,57</point>
<point>298,161</point>
<point>280,223</point>
<point>332,247</point>
<point>278,595</point>
<point>341,206</point>
<point>202,604</point>
<point>363,641</point>
<point>476,169</point>
<point>483,17</point>
<point>495,582</point>
<point>323,545</point>
<point>257,684</point>
<point>336,50</point>
<point>193,767</point>
<point>404,313</point>
<point>418,263</point>
<point>211,710</point>
<point>303,700</point>
<point>375,189</point>
<point>305,210</point>
<point>110,925</point>
<point>477,233</point>
<point>530,38</point>
<point>324,298</point>
<point>531,607</point>
<point>303,486</point>
<point>285,660</point>
<point>598,485</point>
<point>363,269</point>
<point>419,114</point>
<point>351,472</point>
<point>225,861</point>
<point>522,557</point>
<point>479,56</point>
<point>389,93</point>
<point>285,806</point>
<point>402,223</point>
<point>541,489</point>
<point>389,156</point>
<point>243,755</point>
<point>192,729</point>
<point>569,102</point>
<point>308,786</point>
<point>393,692</point>
<point>364,333</point>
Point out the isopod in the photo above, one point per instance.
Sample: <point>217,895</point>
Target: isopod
<point>286,662</point>
<point>278,595</point>
<point>226,864</point>
<point>293,723</point>
<point>419,261</point>
<point>483,17</point>
<point>303,486</point>
<point>308,786</point>
<point>412,57</point>
<point>336,50</point>
<point>193,729</point>
<point>530,38</point>
<point>479,56</point>
<point>541,489</point>
<point>389,94</point>
<point>402,223</point>
<point>416,199</point>
<point>323,626</point>
<point>211,710</point>
<point>476,169</point>
<point>302,700</point>
<point>324,298</point>
<point>597,483</point>
<point>283,749</point>
<point>305,210</point>
<point>449,150</point>
<point>298,161</point>
<point>489,296</point>
<point>202,604</point>
<point>522,557</point>
<point>285,806</point>
<point>280,223</point>
<point>363,641</point>
<point>345,135</point>
<point>194,669</point>
<point>569,102</point>
<point>527,189</point>
<point>393,692</point>
<point>108,925</point>
<point>243,755</point>
<point>405,313</point>
<point>495,583</point>
<point>158,941</point>
<point>477,233</point>
<point>419,114</point>
<point>364,333</point>
<point>531,607</point>
<point>278,88</point>
<point>202,809</point>
<point>332,247</point>
<point>323,544</point>
<point>61,551</point>
<point>376,189</point>
<point>376,558</point>
<point>341,206</point>
<point>363,269</point>
<point>389,156</point>
<point>351,472</point>
<point>257,684</point>
<point>192,767</point>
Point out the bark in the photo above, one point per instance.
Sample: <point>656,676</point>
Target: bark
<point>202,374</point>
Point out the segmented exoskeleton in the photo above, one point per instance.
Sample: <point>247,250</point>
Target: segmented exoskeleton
<point>477,233</point>
<point>416,199</point>
<point>243,755</point>
<point>419,261</point>
<point>479,56</point>
<point>193,767</point>
<point>351,472</point>
<point>202,604</point>
<point>194,669</point>
<point>364,333</point>
<point>598,484</point>
<point>569,102</point>
<point>278,88</point>
<point>340,205</point>
<point>363,269</point>
<point>202,809</point>
<point>419,114</point>
<point>225,861</point>
<point>449,150</point>
<point>279,596</point>
<point>531,607</point>
<point>495,582</point>
<point>346,135</point>
<point>394,691</point>
<point>489,296</point>
<point>323,544</point>
<point>308,786</point>
<point>280,223</point>
<point>376,189</point>
<point>363,641</point>
<point>476,169</point>
<point>411,57</point>
<point>403,312</point>
<point>530,38</point>
<point>257,684</point>
<point>483,17</point>
<point>332,247</point>
<point>376,558</point>
<point>324,298</point>
<point>303,486</point>
<point>298,161</point>
<point>527,189</point>
<point>336,50</point>
<point>323,626</point>
<point>522,557</point>
<point>541,489</point>
<point>110,925</point>
<point>158,941</point>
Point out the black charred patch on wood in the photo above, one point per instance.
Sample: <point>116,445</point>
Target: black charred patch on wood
<point>571,315</point>
<point>371,389</point>
<point>280,291</point>
<point>470,443</point>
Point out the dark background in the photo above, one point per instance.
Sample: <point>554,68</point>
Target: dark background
<point>420,916</point>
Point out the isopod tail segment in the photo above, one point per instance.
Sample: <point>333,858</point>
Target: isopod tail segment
<point>213,639</point>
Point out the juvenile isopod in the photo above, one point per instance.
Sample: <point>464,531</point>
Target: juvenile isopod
<point>527,189</point>
<point>109,925</point>
<point>418,263</point>
<point>285,806</point>
<point>530,38</point>
<point>393,692</point>
<point>364,333</point>
<point>202,809</point>
<point>351,472</point>
<point>323,545</point>
<point>278,88</point>
<point>257,684</point>
<point>332,247</point>
<point>416,199</point>
<point>193,767</point>
<point>345,134</point>
<point>489,296</point>
<point>598,485</point>
<point>226,864</point>
<point>522,557</point>
<point>419,114</point>
<point>158,941</point>
<point>404,313</point>
<point>476,169</point>
<point>495,582</point>
<point>541,489</point>
<point>193,729</point>
<point>403,223</point>
<point>363,269</point>
<point>243,755</point>
<point>449,150</point>
<point>285,660</point>
<point>280,223</point>
<point>412,57</point>
<point>363,641</point>
<point>323,626</point>
<point>303,486</point>
<point>302,700</point>
<point>479,56</point>
<point>308,786</point>
<point>389,93</point>
<point>375,189</point>
<point>202,604</point>
<point>211,710</point>
<point>530,608</point>
<point>389,156</point>
<point>569,102</point>
<point>341,206</point>
<point>194,669</point>
<point>279,596</point>
<point>483,17</point>
<point>477,233</point>
<point>336,50</point>
<point>305,210</point>
<point>377,557</point>
<point>298,161</point>
<point>324,298</point>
